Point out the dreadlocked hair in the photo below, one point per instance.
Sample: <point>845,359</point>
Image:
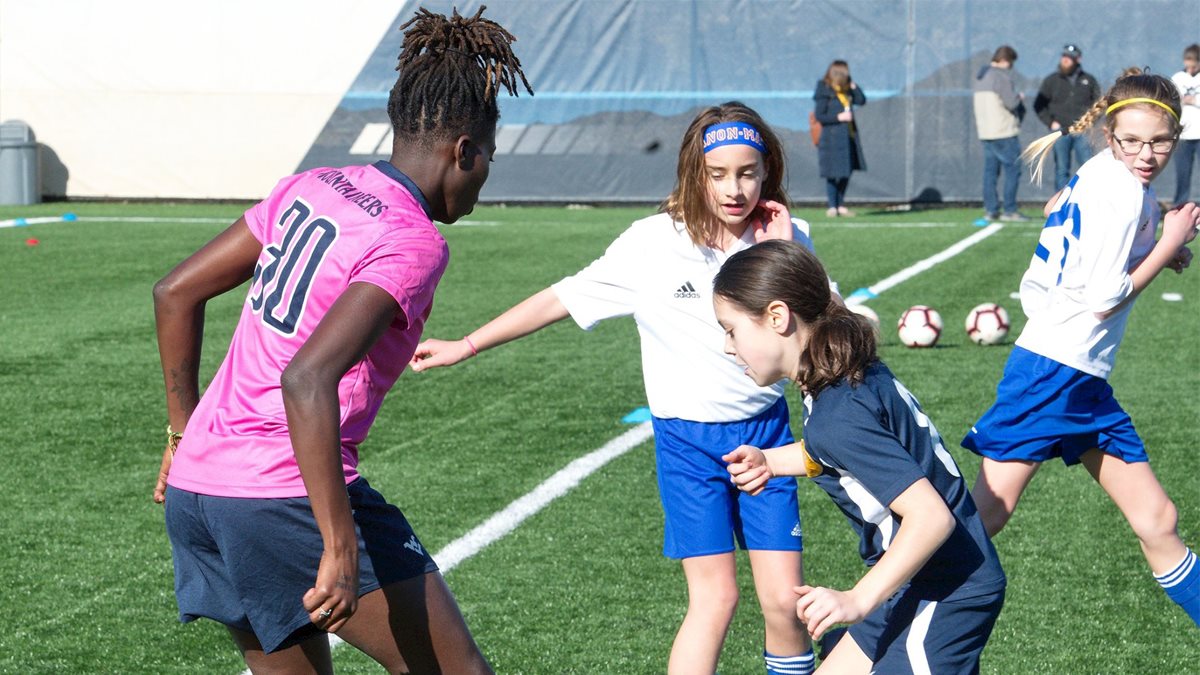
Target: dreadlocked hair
<point>1133,83</point>
<point>689,202</point>
<point>840,344</point>
<point>451,70</point>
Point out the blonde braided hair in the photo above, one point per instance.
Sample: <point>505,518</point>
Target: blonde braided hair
<point>1133,83</point>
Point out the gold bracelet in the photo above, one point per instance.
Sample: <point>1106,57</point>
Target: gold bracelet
<point>173,438</point>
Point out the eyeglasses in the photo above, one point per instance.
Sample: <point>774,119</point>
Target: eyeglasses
<point>1133,146</point>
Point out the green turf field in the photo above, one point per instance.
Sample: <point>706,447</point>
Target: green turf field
<point>581,587</point>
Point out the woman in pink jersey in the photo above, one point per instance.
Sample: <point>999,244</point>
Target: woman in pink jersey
<point>273,532</point>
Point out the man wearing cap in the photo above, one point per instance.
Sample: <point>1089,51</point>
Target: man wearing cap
<point>1063,98</point>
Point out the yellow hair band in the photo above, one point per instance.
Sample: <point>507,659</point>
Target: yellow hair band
<point>1156,102</point>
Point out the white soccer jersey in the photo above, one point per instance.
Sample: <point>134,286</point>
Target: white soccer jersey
<point>655,273</point>
<point>1189,85</point>
<point>1103,225</point>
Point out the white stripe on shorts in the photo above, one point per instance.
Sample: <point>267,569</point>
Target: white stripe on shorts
<point>917,632</point>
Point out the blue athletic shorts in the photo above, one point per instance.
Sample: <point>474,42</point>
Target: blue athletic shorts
<point>247,563</point>
<point>908,634</point>
<point>1044,409</point>
<point>703,511</point>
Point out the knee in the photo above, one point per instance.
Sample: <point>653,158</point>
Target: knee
<point>1155,520</point>
<point>780,606</point>
<point>995,517</point>
<point>721,600</point>
<point>994,509</point>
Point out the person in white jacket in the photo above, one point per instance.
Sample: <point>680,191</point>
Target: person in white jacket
<point>1188,82</point>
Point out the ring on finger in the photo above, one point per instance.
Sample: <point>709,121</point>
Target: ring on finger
<point>325,613</point>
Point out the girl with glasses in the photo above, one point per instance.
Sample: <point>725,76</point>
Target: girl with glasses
<point>1097,252</point>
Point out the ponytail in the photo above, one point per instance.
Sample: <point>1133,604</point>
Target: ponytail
<point>841,344</point>
<point>1035,154</point>
<point>1134,83</point>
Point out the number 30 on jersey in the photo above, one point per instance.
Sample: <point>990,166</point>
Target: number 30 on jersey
<point>284,272</point>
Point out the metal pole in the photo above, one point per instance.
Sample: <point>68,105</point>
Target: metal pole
<point>910,78</point>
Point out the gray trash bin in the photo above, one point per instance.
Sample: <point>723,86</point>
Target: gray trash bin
<point>19,171</point>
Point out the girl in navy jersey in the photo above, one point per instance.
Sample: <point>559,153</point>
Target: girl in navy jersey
<point>273,531</point>
<point>1096,254</point>
<point>728,196</point>
<point>935,586</point>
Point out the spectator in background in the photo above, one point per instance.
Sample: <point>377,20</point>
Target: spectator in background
<point>1188,82</point>
<point>1063,98</point>
<point>839,153</point>
<point>999,108</point>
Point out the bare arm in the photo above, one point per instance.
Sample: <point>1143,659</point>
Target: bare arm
<point>310,398</point>
<point>926,523</point>
<point>179,300</point>
<point>1179,228</point>
<point>530,315</point>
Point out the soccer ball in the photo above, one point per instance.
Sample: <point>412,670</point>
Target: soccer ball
<point>867,313</point>
<point>987,324</point>
<point>920,326</point>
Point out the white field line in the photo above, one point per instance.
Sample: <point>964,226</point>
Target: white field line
<point>550,489</point>
<point>507,520</point>
<point>863,294</point>
<point>68,218</point>
<point>151,219</point>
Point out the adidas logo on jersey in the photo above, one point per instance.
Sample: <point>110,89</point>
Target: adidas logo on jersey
<point>687,291</point>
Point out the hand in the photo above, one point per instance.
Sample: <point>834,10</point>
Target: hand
<point>772,221</point>
<point>821,608</point>
<point>438,353</point>
<point>1182,260</point>
<point>1180,224</point>
<point>334,598</point>
<point>1189,100</point>
<point>160,487</point>
<point>845,116</point>
<point>748,469</point>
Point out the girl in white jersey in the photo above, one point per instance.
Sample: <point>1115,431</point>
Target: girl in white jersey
<point>728,196</point>
<point>1096,253</point>
<point>273,532</point>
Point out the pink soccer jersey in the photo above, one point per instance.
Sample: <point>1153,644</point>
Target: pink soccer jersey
<point>321,231</point>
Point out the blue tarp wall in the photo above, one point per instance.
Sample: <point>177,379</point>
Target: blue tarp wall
<point>617,82</point>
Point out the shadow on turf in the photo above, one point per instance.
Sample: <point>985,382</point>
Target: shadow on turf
<point>927,199</point>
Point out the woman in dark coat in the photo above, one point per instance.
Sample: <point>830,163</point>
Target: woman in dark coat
<point>840,150</point>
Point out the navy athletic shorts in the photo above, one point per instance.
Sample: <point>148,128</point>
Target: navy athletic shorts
<point>908,634</point>
<point>247,563</point>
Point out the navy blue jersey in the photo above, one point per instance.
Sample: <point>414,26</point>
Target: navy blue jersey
<point>873,442</point>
